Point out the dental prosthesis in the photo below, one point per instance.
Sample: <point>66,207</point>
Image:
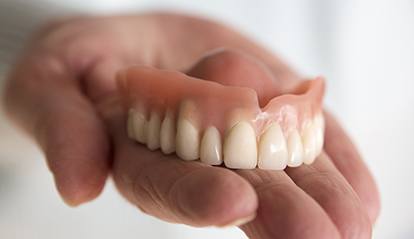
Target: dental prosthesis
<point>216,123</point>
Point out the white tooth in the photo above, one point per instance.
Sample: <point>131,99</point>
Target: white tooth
<point>130,125</point>
<point>273,152</point>
<point>240,147</point>
<point>153,131</point>
<point>309,143</point>
<point>139,125</point>
<point>210,148</point>
<point>319,123</point>
<point>188,137</point>
<point>295,149</point>
<point>319,120</point>
<point>168,134</point>
<point>187,140</point>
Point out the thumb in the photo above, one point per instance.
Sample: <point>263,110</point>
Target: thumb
<point>44,99</point>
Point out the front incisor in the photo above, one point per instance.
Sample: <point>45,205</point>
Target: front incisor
<point>240,147</point>
<point>210,149</point>
<point>295,149</point>
<point>273,152</point>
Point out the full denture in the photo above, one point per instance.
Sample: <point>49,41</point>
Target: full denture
<point>216,123</point>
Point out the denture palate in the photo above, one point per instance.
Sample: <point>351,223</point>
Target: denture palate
<point>214,123</point>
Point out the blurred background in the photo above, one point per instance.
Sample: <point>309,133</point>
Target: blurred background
<point>364,48</point>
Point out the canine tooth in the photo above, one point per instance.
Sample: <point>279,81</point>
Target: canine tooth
<point>309,143</point>
<point>153,131</point>
<point>295,149</point>
<point>187,140</point>
<point>138,126</point>
<point>240,147</point>
<point>167,138</point>
<point>210,148</point>
<point>273,152</point>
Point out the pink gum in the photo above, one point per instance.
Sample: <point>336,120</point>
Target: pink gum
<point>218,105</point>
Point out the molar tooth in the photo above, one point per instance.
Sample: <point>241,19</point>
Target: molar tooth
<point>319,123</point>
<point>130,124</point>
<point>210,148</point>
<point>167,138</point>
<point>319,120</point>
<point>138,125</point>
<point>309,143</point>
<point>153,131</point>
<point>295,149</point>
<point>273,152</point>
<point>240,147</point>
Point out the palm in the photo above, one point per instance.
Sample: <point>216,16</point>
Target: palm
<point>334,196</point>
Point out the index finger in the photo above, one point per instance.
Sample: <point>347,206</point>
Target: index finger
<point>44,99</point>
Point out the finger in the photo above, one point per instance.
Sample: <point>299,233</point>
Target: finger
<point>43,98</point>
<point>348,161</point>
<point>210,35</point>
<point>324,183</point>
<point>164,186</point>
<point>174,190</point>
<point>285,211</point>
<point>234,68</point>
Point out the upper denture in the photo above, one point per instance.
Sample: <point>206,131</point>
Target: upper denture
<point>195,105</point>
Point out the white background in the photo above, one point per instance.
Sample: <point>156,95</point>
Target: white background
<point>365,48</point>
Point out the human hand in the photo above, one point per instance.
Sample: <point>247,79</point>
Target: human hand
<point>63,93</point>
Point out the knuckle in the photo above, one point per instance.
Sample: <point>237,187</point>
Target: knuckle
<point>226,58</point>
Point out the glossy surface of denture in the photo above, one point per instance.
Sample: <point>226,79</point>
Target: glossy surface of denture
<point>199,119</point>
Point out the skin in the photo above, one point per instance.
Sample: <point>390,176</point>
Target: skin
<point>62,92</point>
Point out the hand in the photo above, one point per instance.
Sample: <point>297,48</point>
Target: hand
<point>63,93</point>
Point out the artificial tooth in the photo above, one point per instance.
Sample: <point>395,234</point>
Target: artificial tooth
<point>295,149</point>
<point>319,123</point>
<point>138,125</point>
<point>273,152</point>
<point>188,138</point>
<point>240,147</point>
<point>319,120</point>
<point>309,143</point>
<point>153,131</point>
<point>130,125</point>
<point>167,135</point>
<point>210,148</point>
